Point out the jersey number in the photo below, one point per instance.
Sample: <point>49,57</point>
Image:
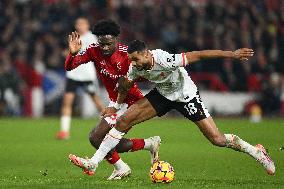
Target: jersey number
<point>173,59</point>
<point>190,108</point>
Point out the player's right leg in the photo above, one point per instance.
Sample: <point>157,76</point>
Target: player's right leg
<point>126,145</point>
<point>140,111</point>
<point>97,135</point>
<point>95,138</point>
<point>66,113</point>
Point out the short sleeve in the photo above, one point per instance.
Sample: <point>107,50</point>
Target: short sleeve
<point>172,60</point>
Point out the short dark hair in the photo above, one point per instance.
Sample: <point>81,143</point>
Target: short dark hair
<point>136,45</point>
<point>106,27</point>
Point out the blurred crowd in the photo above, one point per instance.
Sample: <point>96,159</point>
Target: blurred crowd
<point>33,38</point>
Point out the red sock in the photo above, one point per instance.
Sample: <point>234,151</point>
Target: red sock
<point>137,144</point>
<point>113,158</point>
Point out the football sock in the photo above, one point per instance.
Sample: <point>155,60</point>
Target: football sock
<point>119,164</point>
<point>110,141</point>
<point>113,158</point>
<point>236,143</point>
<point>138,144</point>
<point>65,123</point>
<point>148,144</point>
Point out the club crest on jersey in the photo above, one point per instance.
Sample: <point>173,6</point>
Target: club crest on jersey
<point>162,74</point>
<point>118,65</point>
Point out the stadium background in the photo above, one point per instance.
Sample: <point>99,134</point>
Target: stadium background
<point>33,40</point>
<point>34,37</point>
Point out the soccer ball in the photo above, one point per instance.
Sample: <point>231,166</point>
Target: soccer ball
<point>162,172</point>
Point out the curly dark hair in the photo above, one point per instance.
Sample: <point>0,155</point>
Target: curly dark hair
<point>136,45</point>
<point>106,27</point>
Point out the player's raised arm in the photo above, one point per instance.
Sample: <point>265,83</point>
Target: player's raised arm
<point>74,43</point>
<point>74,59</point>
<point>240,54</point>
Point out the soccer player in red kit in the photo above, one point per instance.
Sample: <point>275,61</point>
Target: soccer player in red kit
<point>111,62</point>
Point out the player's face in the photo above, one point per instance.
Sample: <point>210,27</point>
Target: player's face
<point>82,25</point>
<point>107,44</point>
<point>141,60</point>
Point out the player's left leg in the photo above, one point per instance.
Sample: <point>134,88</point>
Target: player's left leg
<point>211,132</point>
<point>96,136</point>
<point>121,169</point>
<point>141,111</point>
<point>151,105</point>
<point>195,111</point>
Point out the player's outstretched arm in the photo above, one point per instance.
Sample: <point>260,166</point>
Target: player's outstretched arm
<point>240,54</point>
<point>74,59</point>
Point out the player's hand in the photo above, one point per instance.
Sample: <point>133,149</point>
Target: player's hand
<point>108,111</point>
<point>243,54</point>
<point>74,43</point>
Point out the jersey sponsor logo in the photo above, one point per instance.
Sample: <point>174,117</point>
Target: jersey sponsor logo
<point>169,86</point>
<point>113,76</point>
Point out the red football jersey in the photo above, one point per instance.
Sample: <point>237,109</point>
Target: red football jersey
<point>109,69</point>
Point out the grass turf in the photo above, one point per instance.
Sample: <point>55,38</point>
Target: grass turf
<point>30,157</point>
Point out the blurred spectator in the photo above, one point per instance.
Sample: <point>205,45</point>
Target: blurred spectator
<point>9,89</point>
<point>271,95</point>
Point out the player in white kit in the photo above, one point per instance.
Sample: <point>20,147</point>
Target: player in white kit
<point>83,76</point>
<point>174,90</point>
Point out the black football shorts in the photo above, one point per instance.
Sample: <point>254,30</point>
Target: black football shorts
<point>193,110</point>
<point>72,86</point>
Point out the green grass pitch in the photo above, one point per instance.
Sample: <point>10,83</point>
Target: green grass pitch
<point>30,157</point>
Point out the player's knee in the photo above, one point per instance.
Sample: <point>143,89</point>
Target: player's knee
<point>218,140</point>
